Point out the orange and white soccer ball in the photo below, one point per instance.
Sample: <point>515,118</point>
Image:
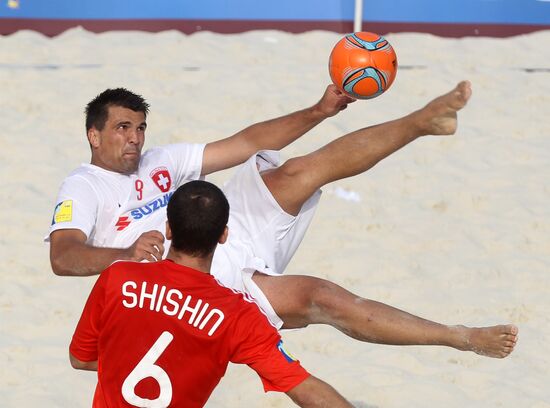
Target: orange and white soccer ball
<point>363,65</point>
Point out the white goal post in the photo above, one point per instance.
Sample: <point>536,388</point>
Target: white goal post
<point>358,19</point>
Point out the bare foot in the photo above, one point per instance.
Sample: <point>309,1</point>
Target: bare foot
<point>494,341</point>
<point>439,116</point>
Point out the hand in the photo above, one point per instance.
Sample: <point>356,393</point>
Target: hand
<point>333,101</point>
<point>149,246</point>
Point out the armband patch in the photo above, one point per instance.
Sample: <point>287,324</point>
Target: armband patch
<point>63,212</point>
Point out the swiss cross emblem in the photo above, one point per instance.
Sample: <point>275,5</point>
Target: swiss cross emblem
<point>161,177</point>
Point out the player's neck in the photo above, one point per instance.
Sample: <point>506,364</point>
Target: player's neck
<point>202,264</point>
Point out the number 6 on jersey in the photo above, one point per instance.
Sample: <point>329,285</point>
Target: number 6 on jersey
<point>147,368</point>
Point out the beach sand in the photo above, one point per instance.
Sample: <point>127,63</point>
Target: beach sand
<point>454,229</point>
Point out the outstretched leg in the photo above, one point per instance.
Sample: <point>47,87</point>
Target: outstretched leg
<point>296,180</point>
<point>303,300</point>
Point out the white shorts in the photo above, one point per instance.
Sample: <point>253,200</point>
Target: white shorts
<point>262,236</point>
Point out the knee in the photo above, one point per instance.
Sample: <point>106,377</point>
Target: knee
<point>325,301</point>
<point>302,300</point>
<point>290,184</point>
<point>294,170</point>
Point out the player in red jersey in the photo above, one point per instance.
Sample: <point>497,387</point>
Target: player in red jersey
<point>161,334</point>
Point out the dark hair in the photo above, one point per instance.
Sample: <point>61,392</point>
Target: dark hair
<point>97,110</point>
<point>197,215</point>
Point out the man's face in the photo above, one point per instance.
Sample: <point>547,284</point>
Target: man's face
<point>117,147</point>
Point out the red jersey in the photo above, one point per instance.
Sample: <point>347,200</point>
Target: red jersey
<point>163,335</point>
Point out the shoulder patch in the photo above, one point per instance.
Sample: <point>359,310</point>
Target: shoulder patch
<point>63,212</point>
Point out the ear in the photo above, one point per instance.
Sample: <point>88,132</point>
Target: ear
<point>168,232</point>
<point>93,137</point>
<point>224,236</point>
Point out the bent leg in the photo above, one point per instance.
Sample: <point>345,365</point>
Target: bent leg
<point>304,300</point>
<point>296,180</point>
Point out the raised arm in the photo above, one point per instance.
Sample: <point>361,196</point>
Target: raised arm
<point>273,134</point>
<point>71,256</point>
<point>314,393</point>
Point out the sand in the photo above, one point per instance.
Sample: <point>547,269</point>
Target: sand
<point>454,229</point>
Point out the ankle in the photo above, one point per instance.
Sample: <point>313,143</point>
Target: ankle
<point>417,124</point>
<point>460,337</point>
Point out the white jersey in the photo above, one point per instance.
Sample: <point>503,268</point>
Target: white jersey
<point>114,209</point>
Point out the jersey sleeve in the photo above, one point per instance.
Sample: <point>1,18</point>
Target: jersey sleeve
<point>84,344</point>
<point>76,206</point>
<point>258,344</point>
<point>186,160</point>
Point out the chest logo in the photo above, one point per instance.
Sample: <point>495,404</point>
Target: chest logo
<point>122,223</point>
<point>161,178</point>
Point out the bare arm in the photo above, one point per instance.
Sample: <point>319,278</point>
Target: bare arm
<point>71,256</point>
<point>315,393</point>
<point>82,365</point>
<point>272,134</point>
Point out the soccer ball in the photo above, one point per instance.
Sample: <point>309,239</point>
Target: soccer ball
<point>363,65</point>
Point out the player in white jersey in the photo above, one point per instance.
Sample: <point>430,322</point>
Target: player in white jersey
<point>114,208</point>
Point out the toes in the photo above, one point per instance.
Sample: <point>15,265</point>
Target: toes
<point>465,90</point>
<point>505,352</point>
<point>509,330</point>
<point>464,85</point>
